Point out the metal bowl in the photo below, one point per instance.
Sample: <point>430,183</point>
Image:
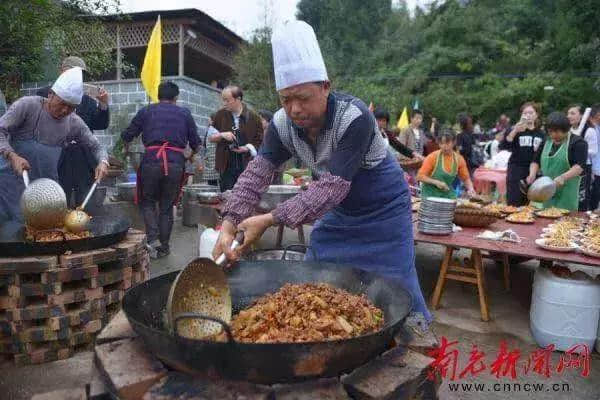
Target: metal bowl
<point>126,191</point>
<point>275,254</point>
<point>44,204</point>
<point>541,190</point>
<point>277,194</point>
<point>209,197</point>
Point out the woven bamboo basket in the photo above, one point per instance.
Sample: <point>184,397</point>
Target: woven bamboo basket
<point>474,218</point>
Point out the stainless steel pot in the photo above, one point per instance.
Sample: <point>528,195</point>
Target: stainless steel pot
<point>275,254</point>
<point>209,197</point>
<point>44,204</point>
<point>126,191</point>
<point>195,214</point>
<point>277,194</point>
<point>541,190</point>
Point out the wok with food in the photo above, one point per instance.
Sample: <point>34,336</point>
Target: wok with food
<point>17,240</point>
<point>356,315</point>
<point>306,313</point>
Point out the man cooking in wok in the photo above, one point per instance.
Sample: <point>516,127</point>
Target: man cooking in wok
<point>32,134</point>
<point>360,201</point>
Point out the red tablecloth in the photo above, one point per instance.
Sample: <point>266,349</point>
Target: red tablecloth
<point>528,233</point>
<point>483,177</point>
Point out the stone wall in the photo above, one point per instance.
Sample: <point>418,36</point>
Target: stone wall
<point>128,96</point>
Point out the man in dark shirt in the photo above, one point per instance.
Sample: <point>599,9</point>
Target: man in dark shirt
<point>76,164</point>
<point>166,131</point>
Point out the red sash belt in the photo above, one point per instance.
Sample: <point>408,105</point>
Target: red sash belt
<point>161,152</point>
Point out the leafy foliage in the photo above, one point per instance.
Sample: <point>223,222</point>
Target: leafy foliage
<point>482,56</point>
<point>34,34</point>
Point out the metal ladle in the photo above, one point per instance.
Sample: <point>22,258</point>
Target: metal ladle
<point>77,220</point>
<point>201,288</point>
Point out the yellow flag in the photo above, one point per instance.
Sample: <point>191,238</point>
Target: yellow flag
<point>151,71</point>
<point>403,121</point>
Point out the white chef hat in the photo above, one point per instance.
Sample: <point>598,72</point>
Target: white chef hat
<point>69,86</point>
<point>297,57</point>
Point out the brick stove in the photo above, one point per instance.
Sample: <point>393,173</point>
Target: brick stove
<point>125,368</point>
<point>53,306</point>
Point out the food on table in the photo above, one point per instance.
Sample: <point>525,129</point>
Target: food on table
<point>54,235</point>
<point>529,209</point>
<point>502,208</point>
<point>552,212</point>
<point>521,217</point>
<point>468,204</point>
<point>590,242</point>
<point>306,313</point>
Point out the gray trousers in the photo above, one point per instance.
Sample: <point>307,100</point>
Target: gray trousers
<point>162,190</point>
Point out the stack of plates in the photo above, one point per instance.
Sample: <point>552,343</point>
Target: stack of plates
<point>436,215</point>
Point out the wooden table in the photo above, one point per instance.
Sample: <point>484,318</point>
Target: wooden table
<point>472,272</point>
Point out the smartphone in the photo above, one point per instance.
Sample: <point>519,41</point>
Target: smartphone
<point>91,90</point>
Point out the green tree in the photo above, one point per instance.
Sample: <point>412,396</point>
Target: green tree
<point>34,35</point>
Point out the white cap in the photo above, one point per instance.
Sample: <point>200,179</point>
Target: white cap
<point>69,86</point>
<point>297,57</point>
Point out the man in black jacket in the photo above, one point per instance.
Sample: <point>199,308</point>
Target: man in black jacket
<point>76,164</point>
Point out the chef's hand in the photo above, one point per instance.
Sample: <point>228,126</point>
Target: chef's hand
<point>559,180</point>
<point>471,192</point>
<point>101,171</point>
<point>103,99</point>
<point>240,150</point>
<point>223,245</point>
<point>253,229</point>
<point>530,179</point>
<point>18,163</point>
<point>200,167</point>
<point>229,136</point>
<point>442,186</point>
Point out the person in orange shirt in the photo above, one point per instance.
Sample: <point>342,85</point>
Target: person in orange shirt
<point>441,167</point>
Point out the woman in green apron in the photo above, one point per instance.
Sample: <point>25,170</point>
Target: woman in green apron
<point>440,169</point>
<point>562,157</point>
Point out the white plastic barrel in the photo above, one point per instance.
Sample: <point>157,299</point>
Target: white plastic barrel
<point>208,239</point>
<point>564,312</point>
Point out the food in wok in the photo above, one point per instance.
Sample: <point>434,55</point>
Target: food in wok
<point>53,235</point>
<point>311,312</point>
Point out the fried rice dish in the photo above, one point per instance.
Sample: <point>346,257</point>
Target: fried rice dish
<point>306,313</point>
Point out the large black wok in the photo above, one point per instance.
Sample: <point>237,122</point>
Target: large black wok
<point>104,230</point>
<point>145,305</point>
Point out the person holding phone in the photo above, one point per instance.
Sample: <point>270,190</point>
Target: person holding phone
<point>76,164</point>
<point>523,142</point>
<point>240,134</point>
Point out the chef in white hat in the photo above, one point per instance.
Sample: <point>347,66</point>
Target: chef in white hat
<point>359,200</point>
<point>32,134</point>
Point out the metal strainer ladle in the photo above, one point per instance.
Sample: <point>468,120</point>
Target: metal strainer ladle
<point>76,221</point>
<point>201,288</point>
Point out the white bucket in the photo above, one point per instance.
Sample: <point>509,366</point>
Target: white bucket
<point>564,312</point>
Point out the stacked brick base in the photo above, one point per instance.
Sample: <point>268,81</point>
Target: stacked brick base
<point>53,306</point>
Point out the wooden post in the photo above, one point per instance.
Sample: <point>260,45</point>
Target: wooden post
<point>119,55</point>
<point>181,50</point>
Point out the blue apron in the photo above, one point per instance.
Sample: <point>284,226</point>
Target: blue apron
<point>43,160</point>
<point>372,228</point>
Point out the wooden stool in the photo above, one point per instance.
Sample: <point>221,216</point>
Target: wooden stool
<point>280,228</point>
<point>472,273</point>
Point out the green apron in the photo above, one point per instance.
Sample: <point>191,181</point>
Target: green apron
<point>429,190</point>
<point>567,196</point>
